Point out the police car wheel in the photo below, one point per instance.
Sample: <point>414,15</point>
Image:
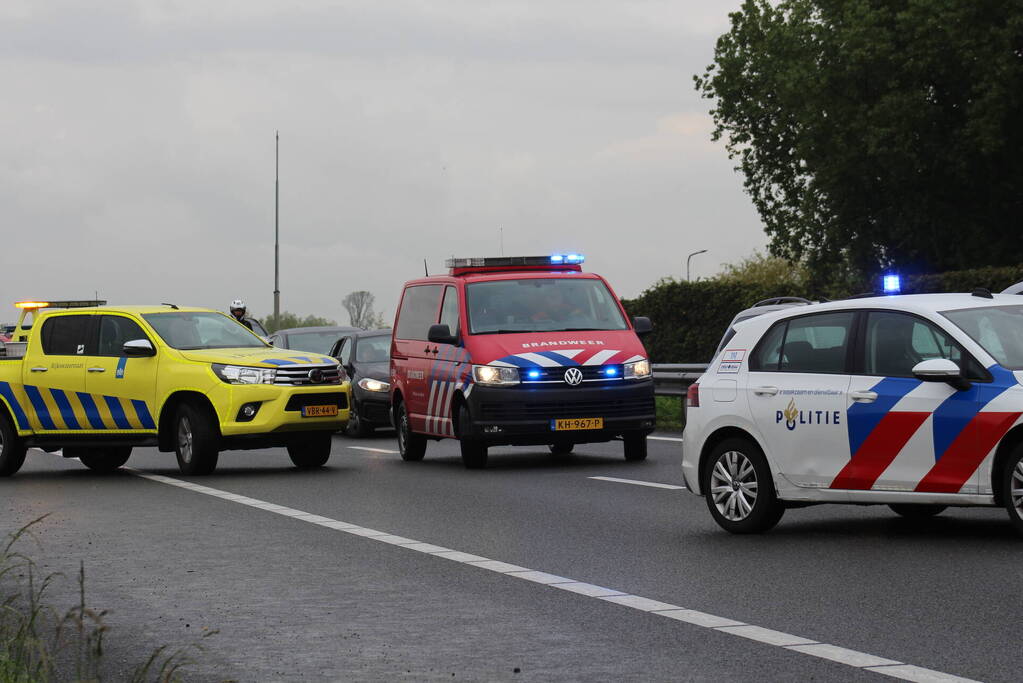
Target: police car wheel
<point>195,440</point>
<point>739,490</point>
<point>1012,487</point>
<point>914,511</point>
<point>561,448</point>
<point>12,448</point>
<point>474,451</point>
<point>310,452</point>
<point>412,446</point>
<point>635,447</point>
<point>103,459</point>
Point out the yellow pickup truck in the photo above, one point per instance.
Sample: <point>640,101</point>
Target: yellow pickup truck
<point>96,381</point>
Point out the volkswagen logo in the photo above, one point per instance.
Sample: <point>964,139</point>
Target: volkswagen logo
<point>573,376</point>
<point>315,376</point>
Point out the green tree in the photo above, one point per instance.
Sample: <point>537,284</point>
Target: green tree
<point>763,270</point>
<point>877,133</point>
<point>288,320</point>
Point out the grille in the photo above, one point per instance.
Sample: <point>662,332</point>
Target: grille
<point>298,375</point>
<point>591,373</point>
<point>624,407</point>
<point>334,398</point>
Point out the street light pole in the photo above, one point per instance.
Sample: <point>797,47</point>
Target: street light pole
<point>701,251</point>
<point>277,233</point>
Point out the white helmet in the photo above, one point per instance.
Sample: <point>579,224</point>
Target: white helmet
<point>238,304</point>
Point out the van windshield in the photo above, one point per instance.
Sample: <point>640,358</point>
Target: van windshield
<point>541,305</point>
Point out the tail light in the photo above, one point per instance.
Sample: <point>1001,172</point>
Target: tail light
<point>693,395</point>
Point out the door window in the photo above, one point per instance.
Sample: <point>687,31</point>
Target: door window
<point>810,343</point>
<point>896,342</point>
<point>65,335</point>
<point>114,331</point>
<point>344,354</point>
<point>449,310</point>
<point>418,311</point>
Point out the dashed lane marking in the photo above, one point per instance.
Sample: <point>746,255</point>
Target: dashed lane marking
<point>665,438</point>
<point>371,450</point>
<point>768,637</point>
<point>651,484</point>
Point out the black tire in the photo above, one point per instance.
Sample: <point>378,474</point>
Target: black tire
<point>196,439</point>
<point>1012,480</point>
<point>474,450</point>
<point>12,448</point>
<point>562,448</point>
<point>412,446</point>
<point>357,427</point>
<point>916,510</point>
<point>103,459</point>
<point>756,488</point>
<point>311,451</point>
<point>635,447</point>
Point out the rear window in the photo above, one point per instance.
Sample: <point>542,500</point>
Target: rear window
<point>809,344</point>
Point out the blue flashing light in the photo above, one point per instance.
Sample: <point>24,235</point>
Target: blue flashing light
<point>574,258</point>
<point>611,371</point>
<point>533,374</point>
<point>891,284</point>
<point>557,258</point>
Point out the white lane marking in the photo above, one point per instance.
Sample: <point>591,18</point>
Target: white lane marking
<point>651,484</point>
<point>833,653</point>
<point>665,438</point>
<point>371,450</point>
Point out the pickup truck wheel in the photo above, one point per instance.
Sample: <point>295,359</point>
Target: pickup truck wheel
<point>412,446</point>
<point>103,459</point>
<point>12,448</point>
<point>195,440</point>
<point>310,452</point>
<point>474,451</point>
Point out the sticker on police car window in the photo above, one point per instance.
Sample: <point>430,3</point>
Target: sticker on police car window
<point>731,361</point>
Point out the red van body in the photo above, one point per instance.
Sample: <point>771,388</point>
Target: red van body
<point>518,351</point>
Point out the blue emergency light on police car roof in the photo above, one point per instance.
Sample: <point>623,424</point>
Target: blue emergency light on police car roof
<point>891,284</point>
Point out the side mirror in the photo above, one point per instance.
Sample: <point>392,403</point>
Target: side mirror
<point>642,325</point>
<point>941,370</point>
<point>441,334</point>
<point>138,347</point>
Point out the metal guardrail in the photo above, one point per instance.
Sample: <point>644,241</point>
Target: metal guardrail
<point>673,379</point>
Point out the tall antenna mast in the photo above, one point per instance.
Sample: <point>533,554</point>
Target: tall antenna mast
<point>277,231</point>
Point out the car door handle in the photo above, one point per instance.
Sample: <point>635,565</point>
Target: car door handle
<point>97,369</point>
<point>765,391</point>
<point>38,369</point>
<point>863,396</point>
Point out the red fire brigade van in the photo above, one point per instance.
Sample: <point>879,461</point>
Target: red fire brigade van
<point>518,351</point>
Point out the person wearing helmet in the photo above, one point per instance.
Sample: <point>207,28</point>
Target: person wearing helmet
<point>238,313</point>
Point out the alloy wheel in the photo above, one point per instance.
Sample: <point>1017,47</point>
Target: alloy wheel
<point>733,485</point>
<point>185,439</point>
<point>1016,488</point>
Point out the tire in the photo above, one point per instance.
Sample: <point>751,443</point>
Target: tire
<point>103,459</point>
<point>917,511</point>
<point>742,460</point>
<point>561,449</point>
<point>1012,487</point>
<point>310,452</point>
<point>12,448</point>
<point>196,440</point>
<point>412,446</point>
<point>635,447</point>
<point>357,427</point>
<point>474,451</point>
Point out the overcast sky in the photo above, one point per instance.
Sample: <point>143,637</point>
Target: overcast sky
<point>137,142</point>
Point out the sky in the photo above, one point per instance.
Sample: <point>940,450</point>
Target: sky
<point>137,145</point>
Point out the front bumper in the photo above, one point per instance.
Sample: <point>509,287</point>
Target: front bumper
<point>374,407</point>
<point>523,414</point>
<point>279,408</point>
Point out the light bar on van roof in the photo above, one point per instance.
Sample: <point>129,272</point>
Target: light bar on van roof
<point>504,261</point>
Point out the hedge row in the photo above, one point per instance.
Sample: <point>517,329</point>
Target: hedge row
<point>690,317</point>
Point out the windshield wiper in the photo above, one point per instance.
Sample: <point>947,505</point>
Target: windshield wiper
<point>506,331</point>
<point>581,329</point>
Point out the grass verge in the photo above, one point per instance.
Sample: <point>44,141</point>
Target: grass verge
<point>671,416</point>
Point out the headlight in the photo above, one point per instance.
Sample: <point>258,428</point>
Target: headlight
<point>489,374</point>
<point>239,374</point>
<point>374,384</point>
<point>638,370</point>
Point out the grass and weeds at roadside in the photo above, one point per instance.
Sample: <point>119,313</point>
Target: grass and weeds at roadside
<point>39,644</point>
<point>671,415</point>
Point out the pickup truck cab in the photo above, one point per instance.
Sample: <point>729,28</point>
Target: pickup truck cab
<point>96,381</point>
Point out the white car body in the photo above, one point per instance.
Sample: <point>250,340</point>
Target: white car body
<point>864,434</point>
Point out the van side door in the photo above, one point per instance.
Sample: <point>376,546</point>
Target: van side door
<point>449,371</point>
<point>412,355</point>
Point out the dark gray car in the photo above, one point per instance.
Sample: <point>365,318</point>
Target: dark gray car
<point>309,339</point>
<point>366,357</point>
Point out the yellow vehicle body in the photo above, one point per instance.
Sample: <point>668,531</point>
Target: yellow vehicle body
<point>81,396</point>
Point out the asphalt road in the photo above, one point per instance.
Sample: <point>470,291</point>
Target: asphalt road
<point>327,596</point>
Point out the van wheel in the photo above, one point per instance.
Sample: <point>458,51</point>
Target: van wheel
<point>310,452</point>
<point>561,448</point>
<point>635,447</point>
<point>195,440</point>
<point>101,459</point>
<point>916,511</point>
<point>474,450</point>
<point>1012,487</point>
<point>412,446</point>
<point>12,448</point>
<point>739,489</point>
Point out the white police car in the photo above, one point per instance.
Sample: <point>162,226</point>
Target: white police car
<point>912,401</point>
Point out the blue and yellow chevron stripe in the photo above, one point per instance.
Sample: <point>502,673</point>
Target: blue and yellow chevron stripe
<point>48,409</point>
